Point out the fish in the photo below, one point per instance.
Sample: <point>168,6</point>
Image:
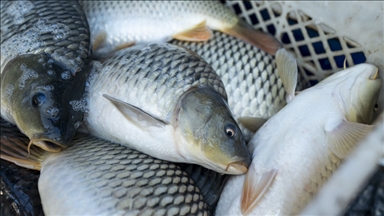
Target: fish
<point>299,148</point>
<point>118,24</point>
<point>24,173</point>
<point>96,177</point>
<point>45,52</point>
<point>167,102</point>
<point>252,78</point>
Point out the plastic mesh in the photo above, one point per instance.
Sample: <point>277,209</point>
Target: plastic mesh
<point>319,49</point>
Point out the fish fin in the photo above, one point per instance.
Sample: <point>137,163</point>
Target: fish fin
<point>200,32</point>
<point>251,123</point>
<point>136,115</point>
<point>99,40</point>
<point>15,147</point>
<point>343,135</point>
<point>254,188</point>
<point>123,46</point>
<point>287,70</point>
<point>262,40</point>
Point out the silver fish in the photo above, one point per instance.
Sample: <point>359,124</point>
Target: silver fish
<point>251,78</point>
<point>298,149</point>
<point>116,24</point>
<point>44,55</point>
<point>97,177</point>
<point>167,102</point>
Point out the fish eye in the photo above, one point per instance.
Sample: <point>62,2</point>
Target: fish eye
<point>230,130</point>
<point>376,107</point>
<point>38,99</point>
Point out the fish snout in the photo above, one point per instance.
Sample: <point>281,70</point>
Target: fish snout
<point>375,74</point>
<point>238,167</point>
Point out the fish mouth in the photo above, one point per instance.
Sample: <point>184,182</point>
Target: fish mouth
<point>375,75</point>
<point>46,144</point>
<point>237,168</point>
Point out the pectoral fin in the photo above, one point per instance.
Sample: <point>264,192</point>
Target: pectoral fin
<point>99,40</point>
<point>136,115</point>
<point>14,148</point>
<point>254,188</point>
<point>259,39</point>
<point>200,32</point>
<point>251,123</point>
<point>343,136</point>
<point>287,70</point>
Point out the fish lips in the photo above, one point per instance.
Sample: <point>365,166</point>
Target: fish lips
<point>46,144</point>
<point>238,168</point>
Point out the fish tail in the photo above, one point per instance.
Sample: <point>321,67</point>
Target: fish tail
<point>261,40</point>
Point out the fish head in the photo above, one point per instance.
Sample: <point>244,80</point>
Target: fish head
<point>359,88</point>
<point>38,92</point>
<point>211,134</point>
<point>364,97</point>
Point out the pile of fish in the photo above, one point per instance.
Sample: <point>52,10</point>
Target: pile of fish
<point>164,97</point>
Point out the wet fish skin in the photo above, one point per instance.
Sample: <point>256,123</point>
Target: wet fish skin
<point>57,28</point>
<point>183,96</point>
<point>52,34</point>
<point>159,21</point>
<point>97,177</point>
<point>14,143</point>
<point>112,179</point>
<point>209,182</point>
<point>316,131</point>
<point>40,100</point>
<point>250,76</point>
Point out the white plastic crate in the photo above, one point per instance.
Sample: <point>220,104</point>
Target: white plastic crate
<point>322,34</point>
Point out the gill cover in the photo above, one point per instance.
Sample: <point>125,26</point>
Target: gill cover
<point>40,96</point>
<point>214,135</point>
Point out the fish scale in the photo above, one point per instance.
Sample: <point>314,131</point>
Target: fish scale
<point>249,75</point>
<point>44,43</point>
<point>169,103</point>
<point>232,66</point>
<point>290,164</point>
<point>105,16</point>
<point>57,28</point>
<point>172,74</point>
<point>147,185</point>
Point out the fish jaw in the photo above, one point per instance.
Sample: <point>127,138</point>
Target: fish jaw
<point>237,168</point>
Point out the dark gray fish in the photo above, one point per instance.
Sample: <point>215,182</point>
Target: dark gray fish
<point>94,176</point>
<point>44,58</point>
